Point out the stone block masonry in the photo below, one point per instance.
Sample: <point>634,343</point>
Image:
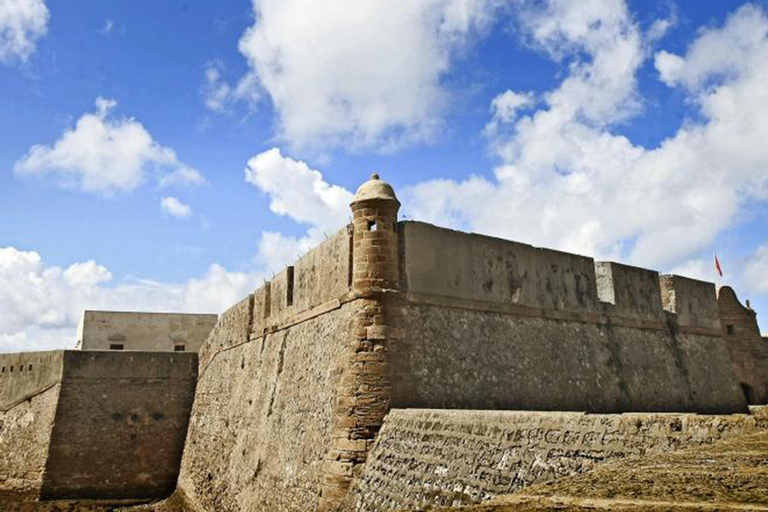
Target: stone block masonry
<point>450,458</point>
<point>98,425</point>
<point>747,348</point>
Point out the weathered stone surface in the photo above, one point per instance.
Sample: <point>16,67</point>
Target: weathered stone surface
<point>110,424</point>
<point>748,350</point>
<point>429,457</point>
<point>262,423</point>
<point>468,359</point>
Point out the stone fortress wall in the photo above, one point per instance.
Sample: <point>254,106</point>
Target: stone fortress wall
<point>93,424</point>
<point>391,339</point>
<point>747,348</point>
<point>297,380</point>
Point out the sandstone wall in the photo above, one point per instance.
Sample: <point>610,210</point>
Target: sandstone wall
<point>441,262</point>
<point>29,392</point>
<point>492,324</point>
<point>748,350</point>
<point>263,421</point>
<point>451,357</point>
<point>120,424</point>
<point>450,458</point>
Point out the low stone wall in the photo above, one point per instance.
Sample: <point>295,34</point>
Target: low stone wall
<point>93,425</point>
<point>449,458</point>
<point>120,425</point>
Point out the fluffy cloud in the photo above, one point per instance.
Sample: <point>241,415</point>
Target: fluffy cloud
<point>359,75</point>
<point>302,194</point>
<point>40,305</point>
<point>756,270</point>
<point>569,181</point>
<point>104,155</point>
<point>175,208</point>
<point>220,96</point>
<point>22,23</point>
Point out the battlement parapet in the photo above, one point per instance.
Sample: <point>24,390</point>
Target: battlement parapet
<point>447,263</point>
<point>629,292</point>
<point>694,302</point>
<point>320,275</point>
<point>25,374</point>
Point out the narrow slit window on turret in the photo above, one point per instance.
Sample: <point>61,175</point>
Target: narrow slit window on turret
<point>729,329</point>
<point>372,226</point>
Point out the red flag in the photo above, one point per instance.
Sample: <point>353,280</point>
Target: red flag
<point>718,267</point>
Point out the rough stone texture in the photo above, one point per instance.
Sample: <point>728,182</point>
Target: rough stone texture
<point>466,359</point>
<point>448,263</point>
<point>450,458</point>
<point>94,424</point>
<point>25,432</point>
<point>748,350</point>
<point>100,330</point>
<point>120,424</point>
<point>26,374</point>
<point>629,291</point>
<point>232,329</point>
<point>323,273</point>
<point>694,302</point>
<point>262,424</point>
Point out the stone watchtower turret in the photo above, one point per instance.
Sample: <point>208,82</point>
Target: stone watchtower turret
<point>374,221</point>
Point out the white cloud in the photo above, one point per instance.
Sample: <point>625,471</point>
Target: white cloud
<point>104,155</point>
<point>175,208</point>
<point>302,194</point>
<point>357,75</point>
<point>109,26</point>
<point>756,270</point>
<point>22,23</point>
<point>504,109</point>
<point>40,305</point>
<point>220,96</point>
<point>567,180</point>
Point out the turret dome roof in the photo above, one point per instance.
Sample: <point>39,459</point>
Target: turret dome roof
<point>375,188</point>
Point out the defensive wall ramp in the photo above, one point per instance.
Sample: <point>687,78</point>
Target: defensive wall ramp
<point>98,425</point>
<point>441,458</point>
<point>727,474</point>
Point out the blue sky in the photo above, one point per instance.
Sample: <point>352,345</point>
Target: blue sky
<point>169,155</point>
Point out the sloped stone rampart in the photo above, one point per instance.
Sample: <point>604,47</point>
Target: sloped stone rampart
<point>263,420</point>
<point>448,458</point>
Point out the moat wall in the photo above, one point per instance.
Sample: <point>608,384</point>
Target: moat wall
<point>451,458</point>
<point>98,425</point>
